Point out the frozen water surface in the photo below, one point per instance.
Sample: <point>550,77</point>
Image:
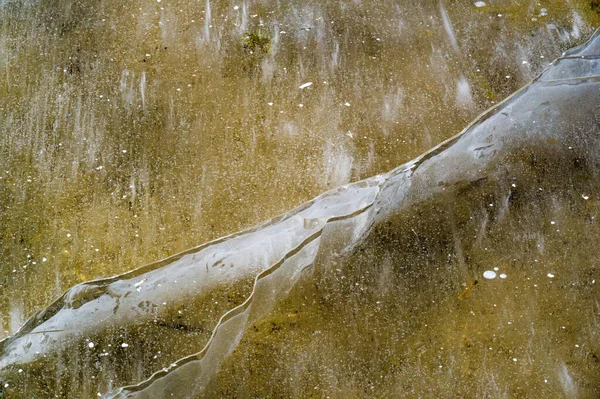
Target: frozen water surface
<point>133,131</point>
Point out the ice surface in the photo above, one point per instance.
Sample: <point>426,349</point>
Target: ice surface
<point>395,245</point>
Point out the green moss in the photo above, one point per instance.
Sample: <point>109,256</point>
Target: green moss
<point>257,41</point>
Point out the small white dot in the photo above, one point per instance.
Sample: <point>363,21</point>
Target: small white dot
<point>489,274</point>
<point>91,345</point>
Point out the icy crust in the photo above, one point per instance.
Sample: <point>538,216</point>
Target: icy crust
<point>539,112</point>
<point>566,95</point>
<point>578,63</point>
<point>101,304</point>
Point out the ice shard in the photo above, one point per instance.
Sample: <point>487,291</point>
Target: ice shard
<point>350,294</point>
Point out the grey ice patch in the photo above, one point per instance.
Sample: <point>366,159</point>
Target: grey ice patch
<point>567,382</point>
<point>463,92</point>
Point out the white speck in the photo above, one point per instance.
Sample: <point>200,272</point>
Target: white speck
<point>68,234</point>
<point>91,345</point>
<point>44,260</point>
<point>489,274</point>
<point>499,15</point>
<point>349,134</point>
<point>158,1</point>
<point>507,76</point>
<point>496,269</point>
<point>525,62</point>
<point>147,55</point>
<point>534,19</point>
<point>514,359</point>
<point>124,345</point>
<point>543,12</point>
<point>552,222</point>
<point>236,7</point>
<point>347,104</point>
<point>6,385</point>
<point>99,167</point>
<point>97,249</point>
<point>577,346</point>
<point>124,151</point>
<point>305,85</point>
<point>20,370</point>
<point>503,275</point>
<point>139,283</point>
<point>585,197</point>
<point>550,275</point>
<point>513,185</point>
<point>480,4</point>
<point>270,104</point>
<point>178,89</point>
<point>301,105</point>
